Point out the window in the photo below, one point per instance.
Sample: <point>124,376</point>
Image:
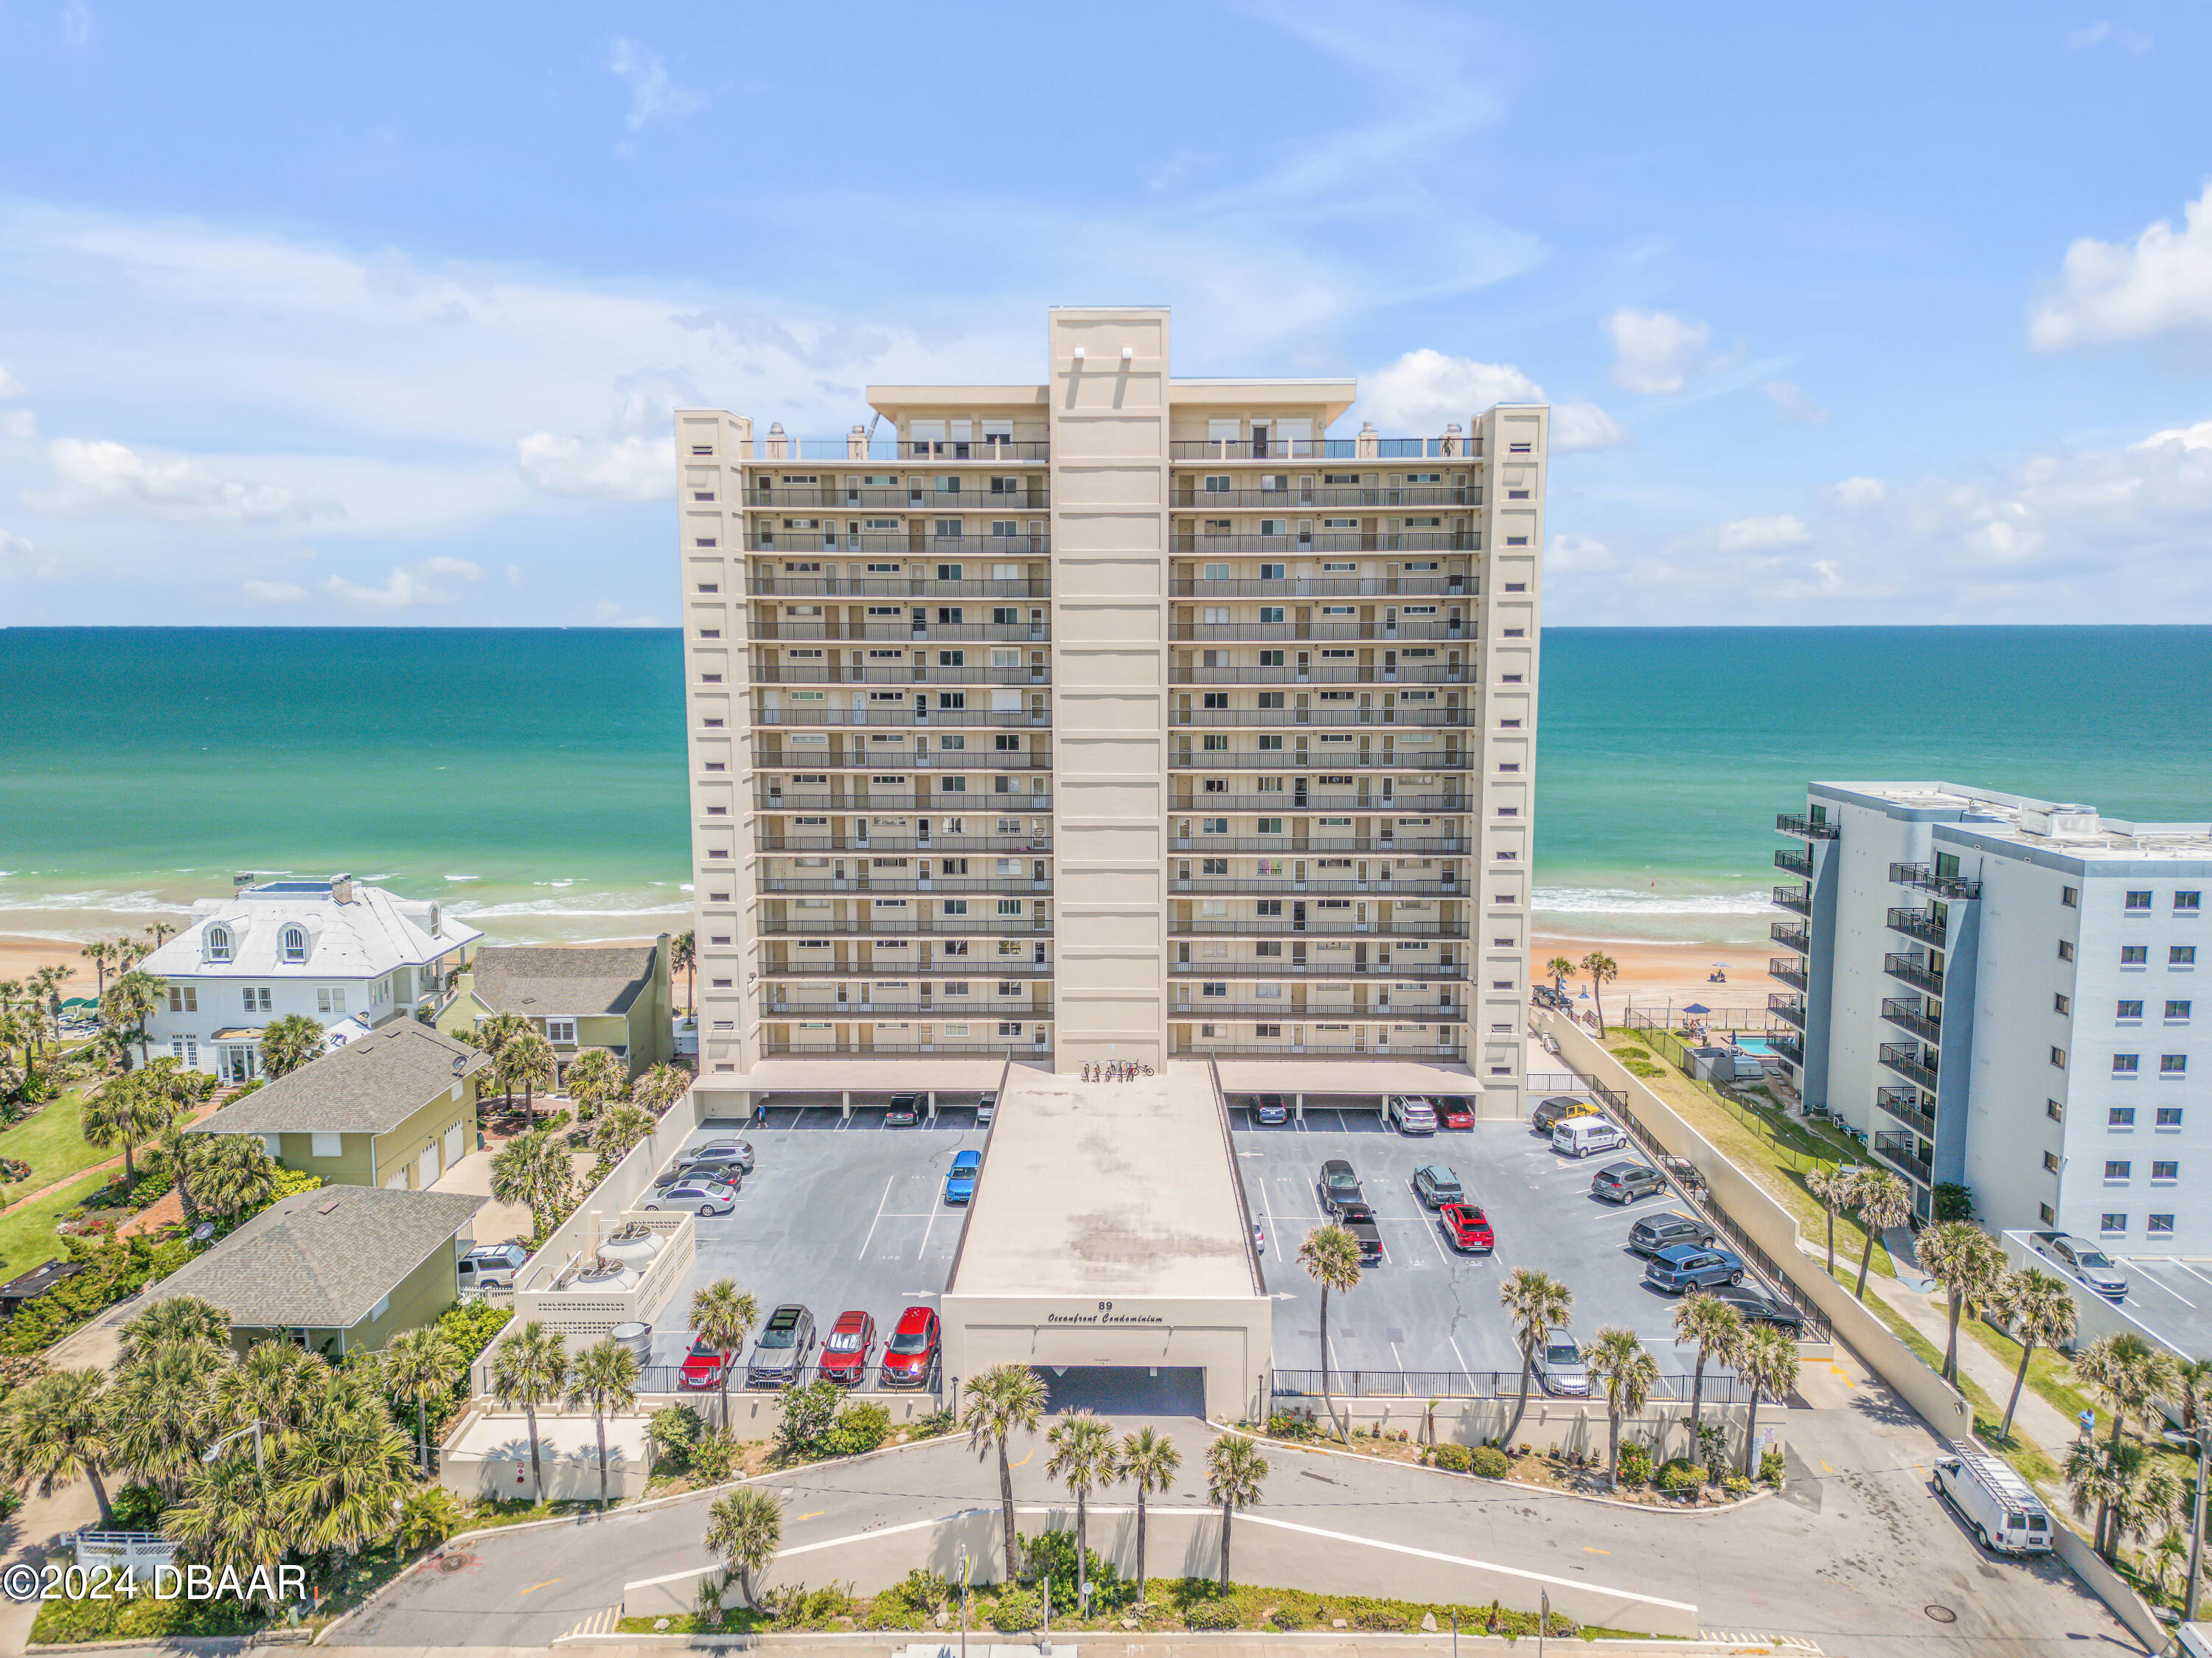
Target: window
<point>184,999</point>
<point>256,998</point>
<point>2125,1064</point>
<point>2138,900</point>
<point>2158,1223</point>
<point>2116,1169</point>
<point>2070,897</point>
<point>2065,951</point>
<point>218,944</point>
<point>1267,1030</point>
<point>2181,955</point>
<point>2120,1116</point>
<point>2058,1058</point>
<point>2129,1011</point>
<point>2060,1003</point>
<point>1009,906</point>
<point>2114,1223</point>
<point>560,1030</point>
<point>2055,1111</point>
<point>295,941</point>
<point>2050,1215</point>
<point>2172,1065</point>
<point>2188,903</point>
<point>2050,1162</point>
<point>2177,1009</point>
<point>2134,955</point>
<point>329,998</point>
<point>2165,1171</point>
<point>326,1145</point>
<point>2169,1116</point>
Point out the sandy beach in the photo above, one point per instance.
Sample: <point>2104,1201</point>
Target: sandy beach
<point>1653,976</point>
<point>20,957</point>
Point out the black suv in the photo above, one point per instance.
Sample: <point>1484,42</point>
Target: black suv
<point>1624,1182</point>
<point>1337,1187</point>
<point>786,1341</point>
<point>1358,1219</point>
<point>1656,1232</point>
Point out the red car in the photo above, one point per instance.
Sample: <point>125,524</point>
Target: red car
<point>703,1366</point>
<point>911,1353</point>
<point>845,1354</point>
<point>1466,1227</point>
<point>1452,1112</point>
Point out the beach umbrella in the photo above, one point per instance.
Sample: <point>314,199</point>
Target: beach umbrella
<point>1697,1007</point>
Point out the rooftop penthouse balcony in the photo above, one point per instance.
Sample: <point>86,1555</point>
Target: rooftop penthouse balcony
<point>979,968</point>
<point>857,444</point>
<point>1376,714</point>
<point>1286,925</point>
<point>767,839</point>
<point>1268,886</point>
<point>1791,971</point>
<point>1458,587</point>
<point>1370,673</point>
<point>1269,967</point>
<point>1376,539</point>
<point>1791,1008</point>
<point>915,495</point>
<point>1924,879</point>
<point>771,628</point>
<point>1797,898</point>
<point>1366,447</point>
<point>1305,492</point>
<point>1804,828</point>
<point>1929,926</point>
<point>1790,935</point>
<point>905,718</point>
<point>875,924</point>
<point>1915,971</point>
<point>1904,1105</point>
<point>1909,1061</point>
<point>1297,802</point>
<point>836,586</point>
<point>1914,1018</point>
<point>1320,632</point>
<point>1900,1149</point>
<point>846,673</point>
<point>1276,759</point>
<point>940,807</point>
<point>908,760</point>
<point>768,537</point>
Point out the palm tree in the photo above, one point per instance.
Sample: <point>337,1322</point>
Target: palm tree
<point>1767,1358</point>
<point>289,1043</point>
<point>533,1168</point>
<point>1149,1461</point>
<point>683,957</point>
<point>1559,970</point>
<point>595,1077</point>
<point>131,1000</point>
<point>158,934</point>
<point>1003,1399</point>
<point>181,1320</point>
<point>419,1365</point>
<point>660,1087</point>
<point>1969,1264</point>
<point>1835,1188</point>
<point>58,1429</point>
<point>1540,1304</point>
<point>342,1475</point>
<point>233,1174</point>
<point>1082,1459</point>
<point>164,1408</point>
<point>229,1518</point>
<point>2041,1312</point>
<point>99,953</point>
<point>722,1316</point>
<point>1715,1327</point>
<point>1882,1201</point>
<point>2100,1474</point>
<point>526,1058</point>
<point>128,953</point>
<point>275,1384</point>
<point>1234,1469</point>
<point>619,1129</point>
<point>745,1528</point>
<point>128,1111</point>
<point>492,1036</point>
<point>529,1369</point>
<point>605,1378</point>
<point>2192,1383</point>
<point>1618,1359</point>
<point>1602,970</point>
<point>179,1151</point>
<point>2128,1374</point>
<point>1330,1256</point>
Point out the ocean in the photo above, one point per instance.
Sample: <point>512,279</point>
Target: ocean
<point>533,779</point>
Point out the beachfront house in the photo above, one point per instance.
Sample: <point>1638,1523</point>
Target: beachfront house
<point>349,955</point>
<point>396,1108</point>
<point>615,997</point>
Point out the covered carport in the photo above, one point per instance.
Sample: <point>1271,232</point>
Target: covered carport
<point>1362,1084</point>
<point>845,1084</point>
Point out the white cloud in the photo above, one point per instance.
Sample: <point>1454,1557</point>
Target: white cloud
<point>408,585</point>
<point>2198,436</point>
<point>20,424</point>
<point>1760,535</point>
<point>9,385</point>
<point>653,95</point>
<point>1795,402</point>
<point>110,477</point>
<point>1425,391</point>
<point>1654,352</point>
<point>2135,42</point>
<point>514,575</point>
<point>1855,494</point>
<point>259,592</point>
<point>2106,293</point>
<point>76,23</point>
<point>627,469</point>
<point>1585,426</point>
<point>611,613</point>
<point>1578,554</point>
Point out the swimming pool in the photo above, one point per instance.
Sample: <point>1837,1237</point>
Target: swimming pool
<point>1753,1045</point>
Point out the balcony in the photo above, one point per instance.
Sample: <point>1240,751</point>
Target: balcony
<point>1914,971</point>
<point>877,884</point>
<point>1900,1149</point>
<point>769,537</point>
<point>1791,1008</point>
<point>1791,971</point>
<point>1285,925</point>
<point>910,760</point>
<point>1013,673</point>
<point>1271,886</point>
<point>1281,760</point>
<point>1189,1046</point>
<point>1274,719</point>
<point>1359,448</point>
<point>1297,801</point>
<point>906,718</point>
<point>1269,967</point>
<point>1797,898</point>
<point>1374,539</point>
<point>1353,674</point>
<point>1924,879</point>
<point>1795,863</point>
<point>1316,632</point>
<point>954,806</point>
<point>1926,925</point>
<point>831,586</point>
<point>1788,1047</point>
<point>1805,828</point>
<point>1904,1104</point>
<point>856,446</point>
<point>771,630</point>
<point>879,928</point>
<point>1791,936</point>
<point>1457,586</point>
<point>986,1007</point>
<point>1285,1012</point>
<point>1190,498</point>
<point>912,496</point>
<point>1407,846</point>
<point>1907,1059</point>
<point>1912,1017</point>
<point>980,968</point>
<point>766,841</point>
<point>864,1045</point>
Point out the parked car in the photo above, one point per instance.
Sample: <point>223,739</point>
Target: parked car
<point>1410,1112</point>
<point>1338,1186</point>
<point>1580,1136</point>
<point>846,1350</point>
<point>490,1266</point>
<point>2086,1261</point>
<point>1687,1267</point>
<point>725,1159</point>
<point>702,1194</point>
<point>1467,1228</point>
<point>786,1343</point>
<point>1757,1307</point>
<point>1560,1370</point>
<point>1270,1110</point>
<point>960,1179</point>
<point>1656,1232</point>
<point>1454,1112</point>
<point>1556,1110</point>
<point>911,1353</point>
<point>905,1111</point>
<point>678,1170</point>
<point>1435,1185</point>
<point>1358,1219</point>
<point>2006,1513</point>
<point>703,1366</point>
<point>987,1107</point>
<point>1624,1182</point>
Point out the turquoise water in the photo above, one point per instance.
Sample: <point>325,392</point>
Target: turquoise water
<point>534,778</point>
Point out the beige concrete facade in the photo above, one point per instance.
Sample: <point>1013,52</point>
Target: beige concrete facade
<point>1112,717</point>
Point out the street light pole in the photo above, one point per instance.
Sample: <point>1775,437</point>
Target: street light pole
<point>963,1600</point>
<point>2196,1438</point>
<point>261,1463</point>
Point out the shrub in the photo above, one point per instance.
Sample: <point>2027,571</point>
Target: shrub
<point>1050,1556</point>
<point>1772,1467</point>
<point>1454,1459</point>
<point>1380,1617</point>
<point>1289,1424</point>
<point>858,1428</point>
<point>1490,1462</point>
<point>1219,1613</point>
<point>1953,1201</point>
<point>137,1507</point>
<point>1014,1611</point>
<point>1631,1052</point>
<point>1286,1617</point>
<point>1643,1068</point>
<point>924,1590</point>
<point>1680,1475</point>
<point>936,1423</point>
<point>808,1412</point>
<point>1735,1485</point>
<point>1635,1465</point>
<point>674,1431</point>
<point>714,1457</point>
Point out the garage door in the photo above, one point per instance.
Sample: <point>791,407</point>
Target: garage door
<point>454,1149</point>
<point>1125,1390</point>
<point>426,1169</point>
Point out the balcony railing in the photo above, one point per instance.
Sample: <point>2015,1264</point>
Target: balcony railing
<point>1804,828</point>
<point>1795,863</point>
<point>1911,1016</point>
<point>981,968</point>
<point>1791,971</point>
<point>1020,1047</point>
<point>1900,1149</point>
<point>1370,674</point>
<point>831,586</point>
<point>767,536</point>
<point>1270,885</point>
<point>1925,878</point>
<point>911,496</point>
<point>1271,1011</point>
<point>1377,1049</point>
<point>1797,898</point>
<point>955,806</point>
<point>1317,632</point>
<point>876,926</point>
<point>1294,803</point>
<point>986,1006</point>
<point>1904,1104</point>
<point>903,716</point>
<point>1015,674</point>
<point>1268,719</point>
<point>1788,1046</point>
<point>934,760</point>
<point>877,884</point>
<point>1907,1059</point>
<point>1365,448</point>
<point>1914,972</point>
<point>1329,587</point>
<point>1269,968</point>
<point>1286,926</point>
<point>1372,539</point>
<point>1791,936</point>
<point>1190,498</point>
<point>1922,924</point>
<point>769,630</point>
<point>1791,1008</point>
<point>770,841</point>
<point>1407,845</point>
<point>856,446</point>
<point>1281,760</point>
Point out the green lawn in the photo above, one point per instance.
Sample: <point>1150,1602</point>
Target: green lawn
<point>2023,1453</point>
<point>2049,1375</point>
<point>27,1231</point>
<point>52,1142</point>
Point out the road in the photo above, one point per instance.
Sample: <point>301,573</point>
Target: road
<point>1851,1556</point>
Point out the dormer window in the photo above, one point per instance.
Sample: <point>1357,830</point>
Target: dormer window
<point>295,941</point>
<point>218,944</point>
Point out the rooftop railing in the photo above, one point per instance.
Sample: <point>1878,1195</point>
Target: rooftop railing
<point>1375,539</point>
<point>1359,448</point>
<point>1190,498</point>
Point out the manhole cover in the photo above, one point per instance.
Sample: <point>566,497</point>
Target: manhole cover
<point>455,1562</point>
<point>1942,1614</point>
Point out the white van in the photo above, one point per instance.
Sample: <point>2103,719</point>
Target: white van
<point>2006,1516</point>
<point>2194,1640</point>
<point>1580,1136</point>
<point>1411,1114</point>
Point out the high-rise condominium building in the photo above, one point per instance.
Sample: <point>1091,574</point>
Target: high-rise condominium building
<point>2000,993</point>
<point>1114,716</point>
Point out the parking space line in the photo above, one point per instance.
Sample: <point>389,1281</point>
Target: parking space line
<point>2176,1294</point>
<point>2187,1268</point>
<point>1458,1354</point>
<point>872,1225</point>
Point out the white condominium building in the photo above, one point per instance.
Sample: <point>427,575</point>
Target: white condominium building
<point>2001,992</point>
<point>1114,716</point>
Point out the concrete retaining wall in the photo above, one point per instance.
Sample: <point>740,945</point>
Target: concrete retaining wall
<point>1576,1425</point>
<point>755,1415</point>
<point>2114,1590</point>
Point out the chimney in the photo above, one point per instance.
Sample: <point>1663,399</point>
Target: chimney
<point>342,889</point>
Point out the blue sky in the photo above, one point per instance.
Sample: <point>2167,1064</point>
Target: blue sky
<point>1866,314</point>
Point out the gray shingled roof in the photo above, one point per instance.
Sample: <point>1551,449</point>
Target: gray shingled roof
<point>521,979</point>
<point>320,1259</point>
<point>369,1086</point>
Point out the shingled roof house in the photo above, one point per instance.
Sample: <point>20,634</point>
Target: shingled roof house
<point>615,997</point>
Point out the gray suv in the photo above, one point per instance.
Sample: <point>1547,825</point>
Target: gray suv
<point>1435,1185</point>
<point>1624,1182</point>
<point>1656,1232</point>
<point>786,1341</point>
<point>719,1157</point>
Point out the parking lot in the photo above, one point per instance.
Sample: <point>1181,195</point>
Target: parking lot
<point>836,1214</point>
<point>2173,1296</point>
<point>1426,1307</point>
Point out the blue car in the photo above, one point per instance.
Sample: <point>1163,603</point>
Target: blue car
<point>960,1181</point>
<point>1687,1267</point>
